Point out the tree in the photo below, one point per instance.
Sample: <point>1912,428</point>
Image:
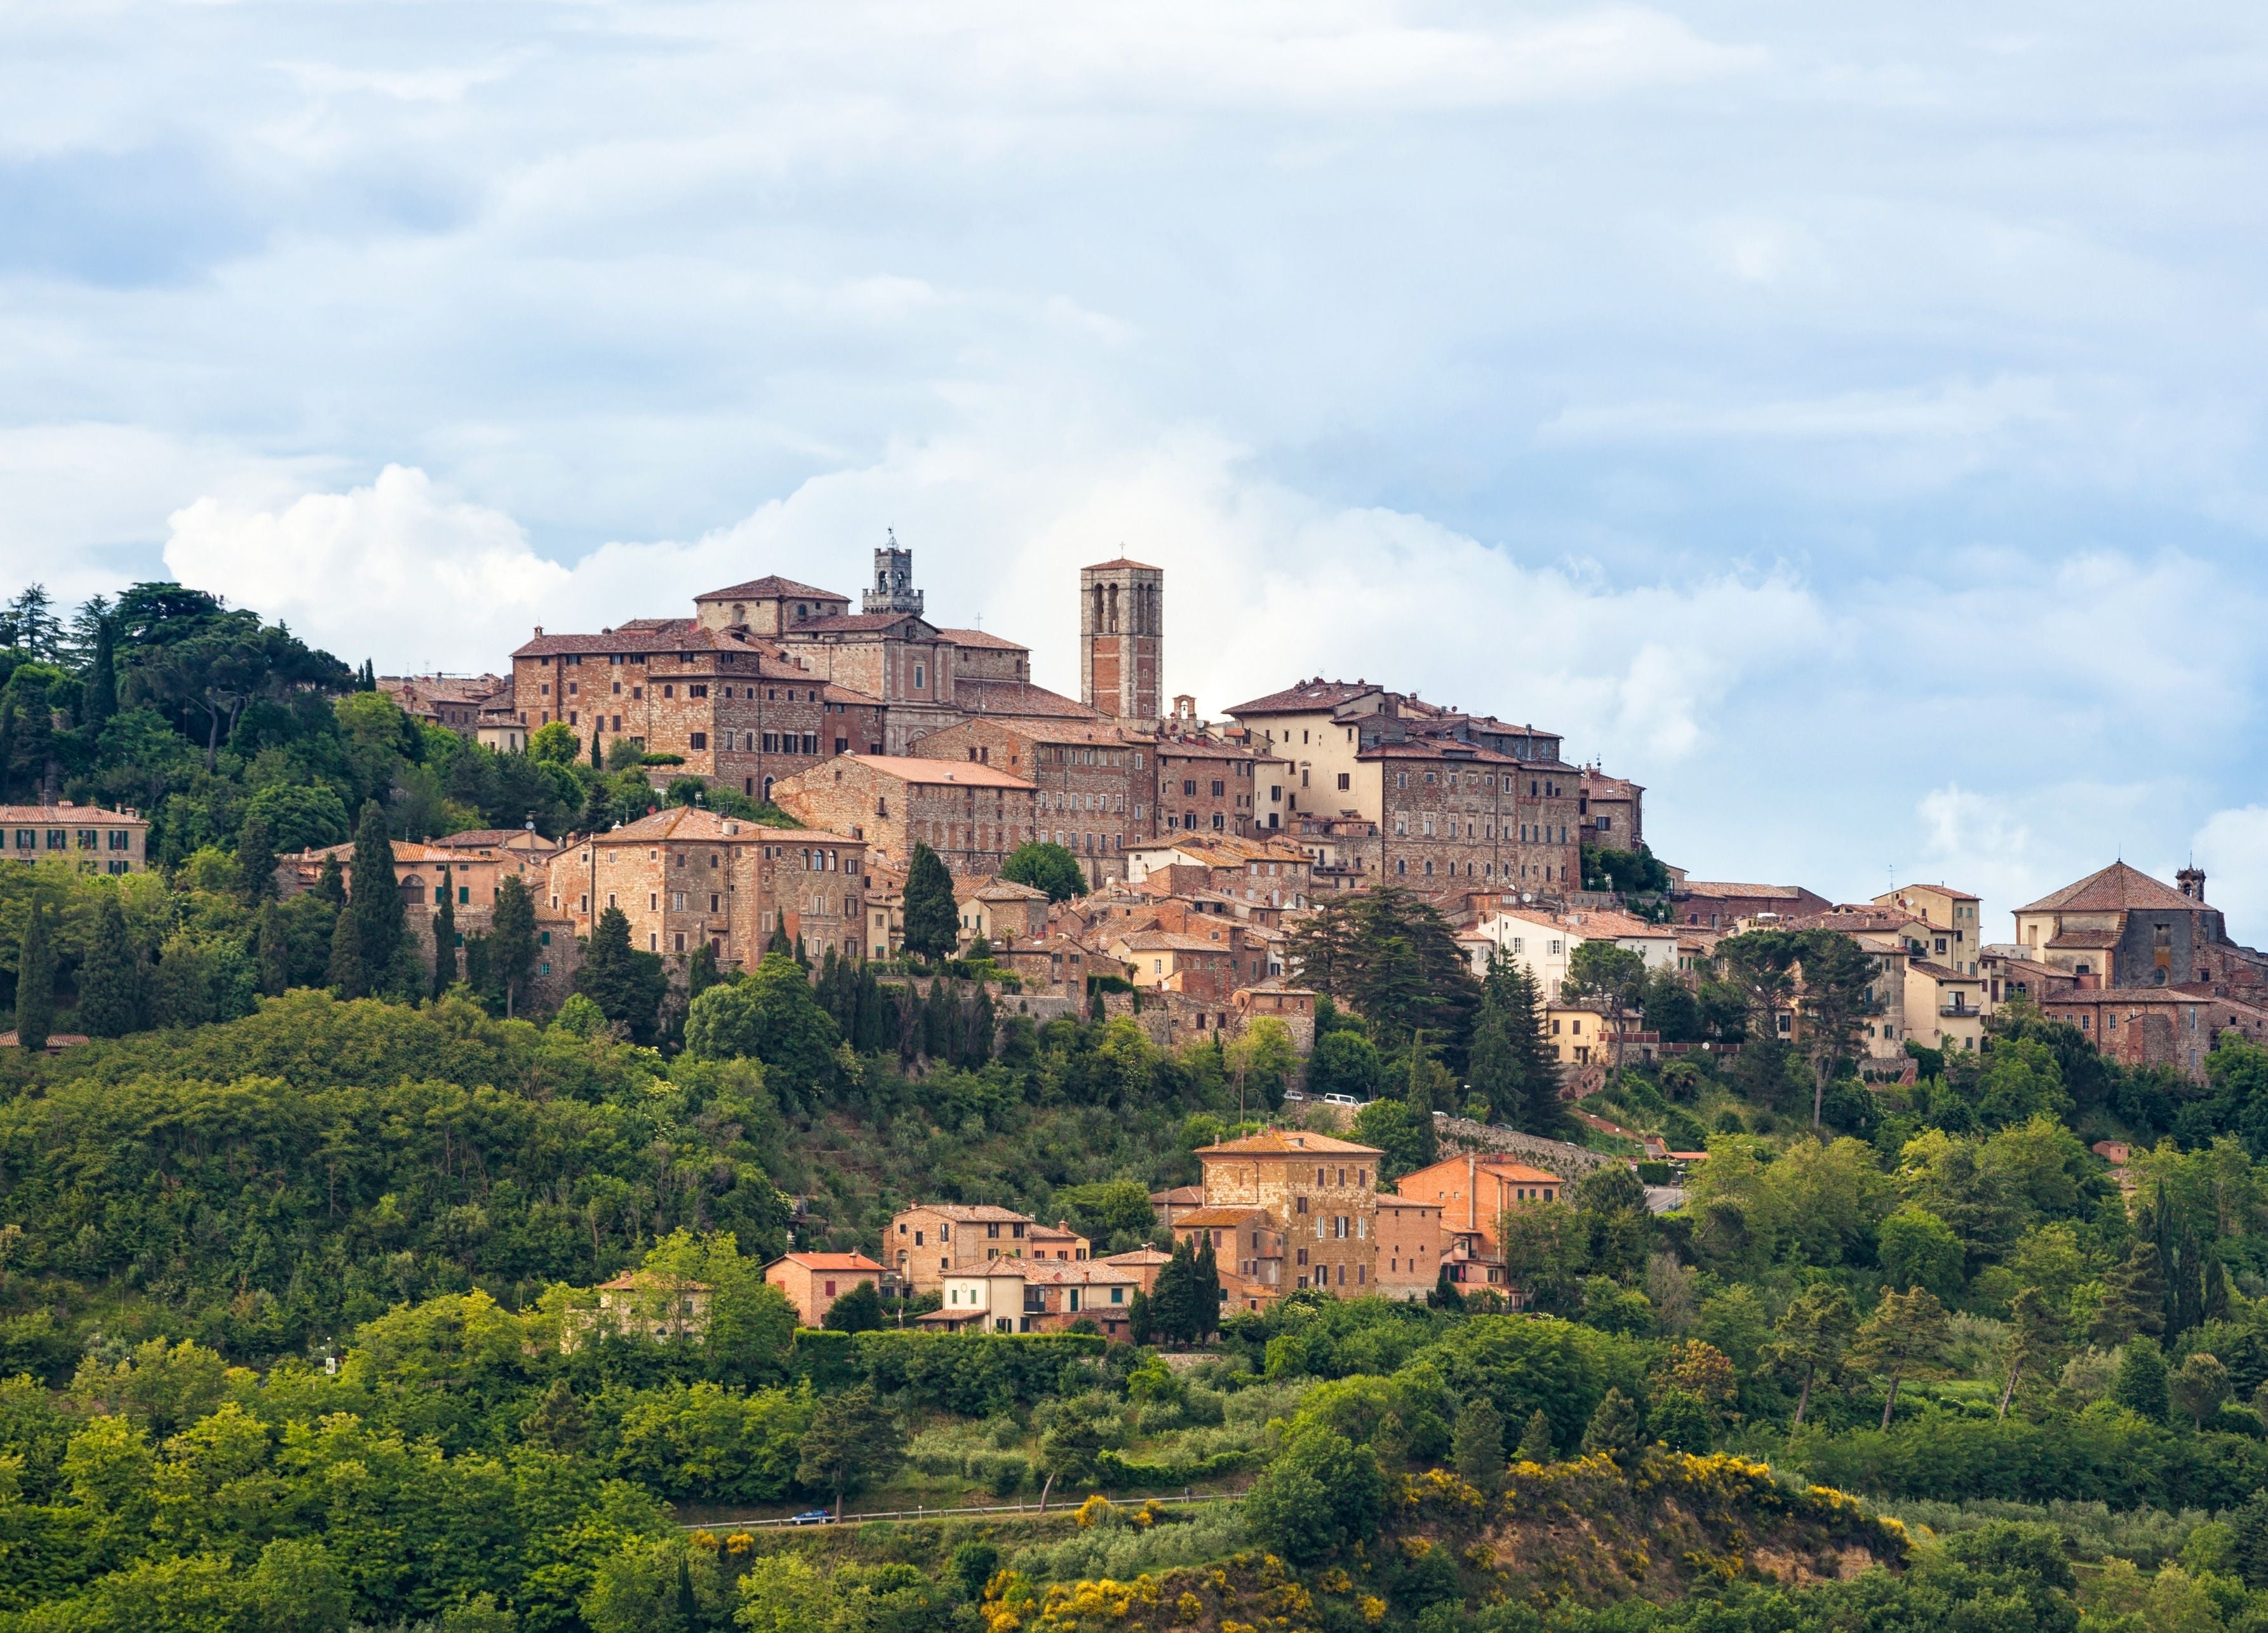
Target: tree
<point>627,985</point>
<point>1391,956</point>
<point>255,860</point>
<point>1444,1294</point>
<point>1404,1137</point>
<point>1616,1428</point>
<point>35,983</point>
<point>2035,1343</point>
<point>331,882</point>
<point>2133,1297</point>
<point>1476,1446</point>
<point>377,902</point>
<point>932,918</point>
<point>859,1310</point>
<point>1204,1291</point>
<point>1812,1334</point>
<point>1905,1338</point>
<point>1045,866</point>
<point>853,1441</point>
<point>274,947</point>
<point>1321,1496</point>
<point>348,974</point>
<point>444,936</point>
<point>2140,1384</point>
<point>1174,1297</point>
<point>773,1017</point>
<point>110,1000</point>
<point>511,940</point>
<point>1345,1062</point>
<point>2198,1386</point>
<point>1536,1440</point>
<point>554,743</point>
<point>1918,1249</point>
<point>99,697</point>
<point>1262,1059</point>
<point>1511,1065</point>
<point>1610,976</point>
<point>1141,1325</point>
<point>1070,1448</point>
<point>1838,995</point>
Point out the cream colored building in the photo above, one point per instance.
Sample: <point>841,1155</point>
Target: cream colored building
<point>1956,934</point>
<point>1944,1007</point>
<point>1319,1193</point>
<point>1544,944</point>
<point>1578,1036</point>
<point>930,1242</point>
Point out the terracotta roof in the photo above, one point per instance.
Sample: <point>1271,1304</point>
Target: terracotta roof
<point>487,837</point>
<point>1306,698</point>
<point>1288,1143</point>
<point>1118,563</point>
<point>1178,1195</point>
<point>912,768</point>
<point>1142,1256</point>
<point>769,585</point>
<point>1440,749</point>
<point>1599,785</point>
<point>1218,1218</point>
<point>1059,1232</point>
<point>2114,889</point>
<point>1942,890</point>
<point>1022,698</point>
<point>1171,941</point>
<point>1202,749</point>
<point>1519,1172</point>
<point>1713,887</point>
<point>1082,728</point>
<point>979,637</point>
<point>647,636</point>
<point>855,623</point>
<point>65,815</point>
<point>634,1280</point>
<point>1940,972</point>
<point>830,1261</point>
<point>970,1213</point>
<point>1092,1272</point>
<point>1390,1199</point>
<point>1856,920</point>
<point>404,850</point>
<point>2195,993</point>
<point>698,823</point>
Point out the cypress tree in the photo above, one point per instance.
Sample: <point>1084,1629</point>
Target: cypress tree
<point>349,973</point>
<point>1204,1291</point>
<point>377,904</point>
<point>1172,1298</point>
<point>331,883</point>
<point>982,1024</point>
<point>275,952</point>
<point>100,698</point>
<point>932,918</point>
<point>35,983</point>
<point>1476,1446</point>
<point>598,808</point>
<point>444,936</point>
<point>700,973</point>
<point>511,941</point>
<point>256,859</point>
<point>937,1018</point>
<point>110,981</point>
<point>598,754</point>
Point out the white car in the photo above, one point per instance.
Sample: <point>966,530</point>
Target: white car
<point>1341,1100</point>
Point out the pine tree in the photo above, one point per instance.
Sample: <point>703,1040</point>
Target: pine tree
<point>444,936</point>
<point>1616,1428</point>
<point>256,859</point>
<point>275,952</point>
<point>932,918</point>
<point>2133,1297</point>
<point>331,882</point>
<point>35,983</point>
<point>1476,1446</point>
<point>110,981</point>
<point>376,903</point>
<point>1535,1070</point>
<point>1536,1440</point>
<point>350,976</point>
<point>598,808</point>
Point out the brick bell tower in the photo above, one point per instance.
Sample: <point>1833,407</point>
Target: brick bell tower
<point>1122,645</point>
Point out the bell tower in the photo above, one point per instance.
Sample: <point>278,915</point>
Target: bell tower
<point>894,589</point>
<point>1122,647</point>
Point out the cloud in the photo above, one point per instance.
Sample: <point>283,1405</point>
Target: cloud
<point>2232,847</point>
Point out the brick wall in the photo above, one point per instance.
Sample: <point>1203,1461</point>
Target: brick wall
<point>971,827</point>
<point>1329,1223</point>
<point>1091,782</point>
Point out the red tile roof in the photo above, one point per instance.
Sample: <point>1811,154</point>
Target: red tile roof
<point>910,769</point>
<point>768,587</point>
<point>1119,563</point>
<point>1016,698</point>
<point>830,1261</point>
<point>1288,1143</point>
<point>1306,698</point>
<point>981,638</point>
<point>2117,888</point>
<point>857,623</point>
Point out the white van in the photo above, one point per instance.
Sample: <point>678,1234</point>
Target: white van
<point>1341,1100</point>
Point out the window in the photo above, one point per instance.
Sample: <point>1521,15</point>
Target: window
<point>921,677</point>
<point>1219,787</point>
<point>58,840</point>
<point>698,740</point>
<point>696,691</point>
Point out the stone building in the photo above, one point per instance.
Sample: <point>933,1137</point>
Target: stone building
<point>1956,934</point>
<point>1712,904</point>
<point>1265,869</point>
<point>813,1280</point>
<point>1412,1246</point>
<point>2119,927</point>
<point>1206,786</point>
<point>2155,1026</point>
<point>454,701</point>
<point>1319,1193</point>
<point>1202,968</point>
<point>1474,1192</point>
<point>1611,810</point>
<point>1006,914</point>
<point>971,815</point>
<point>687,876</point>
<point>1245,1239</point>
<point>90,838</point>
<point>1091,780</point>
<point>933,1240</point>
<point>1122,639</point>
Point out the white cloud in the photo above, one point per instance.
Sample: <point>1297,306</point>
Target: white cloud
<point>2232,847</point>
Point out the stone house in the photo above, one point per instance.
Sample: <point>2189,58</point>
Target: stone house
<point>1030,1296</point>
<point>1246,1240</point>
<point>934,1239</point>
<point>813,1280</point>
<point>1319,1193</point>
<point>1266,869</point>
<point>91,838</point>
<point>1543,943</point>
<point>1196,967</point>
<point>971,815</point>
<point>1210,787</point>
<point>2158,1025</point>
<point>1954,937</point>
<point>1709,904</point>
<point>1006,914</point>
<point>2119,927</point>
<point>444,700</point>
<point>1609,810</point>
<point>642,1304</point>
<point>1412,1246</point>
<point>1474,1192</point>
<point>688,876</point>
<point>1091,780</point>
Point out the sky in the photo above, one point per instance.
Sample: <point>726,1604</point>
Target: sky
<point>1848,422</point>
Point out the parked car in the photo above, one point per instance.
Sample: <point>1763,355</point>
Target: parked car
<point>1341,1100</point>
<point>813,1517</point>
